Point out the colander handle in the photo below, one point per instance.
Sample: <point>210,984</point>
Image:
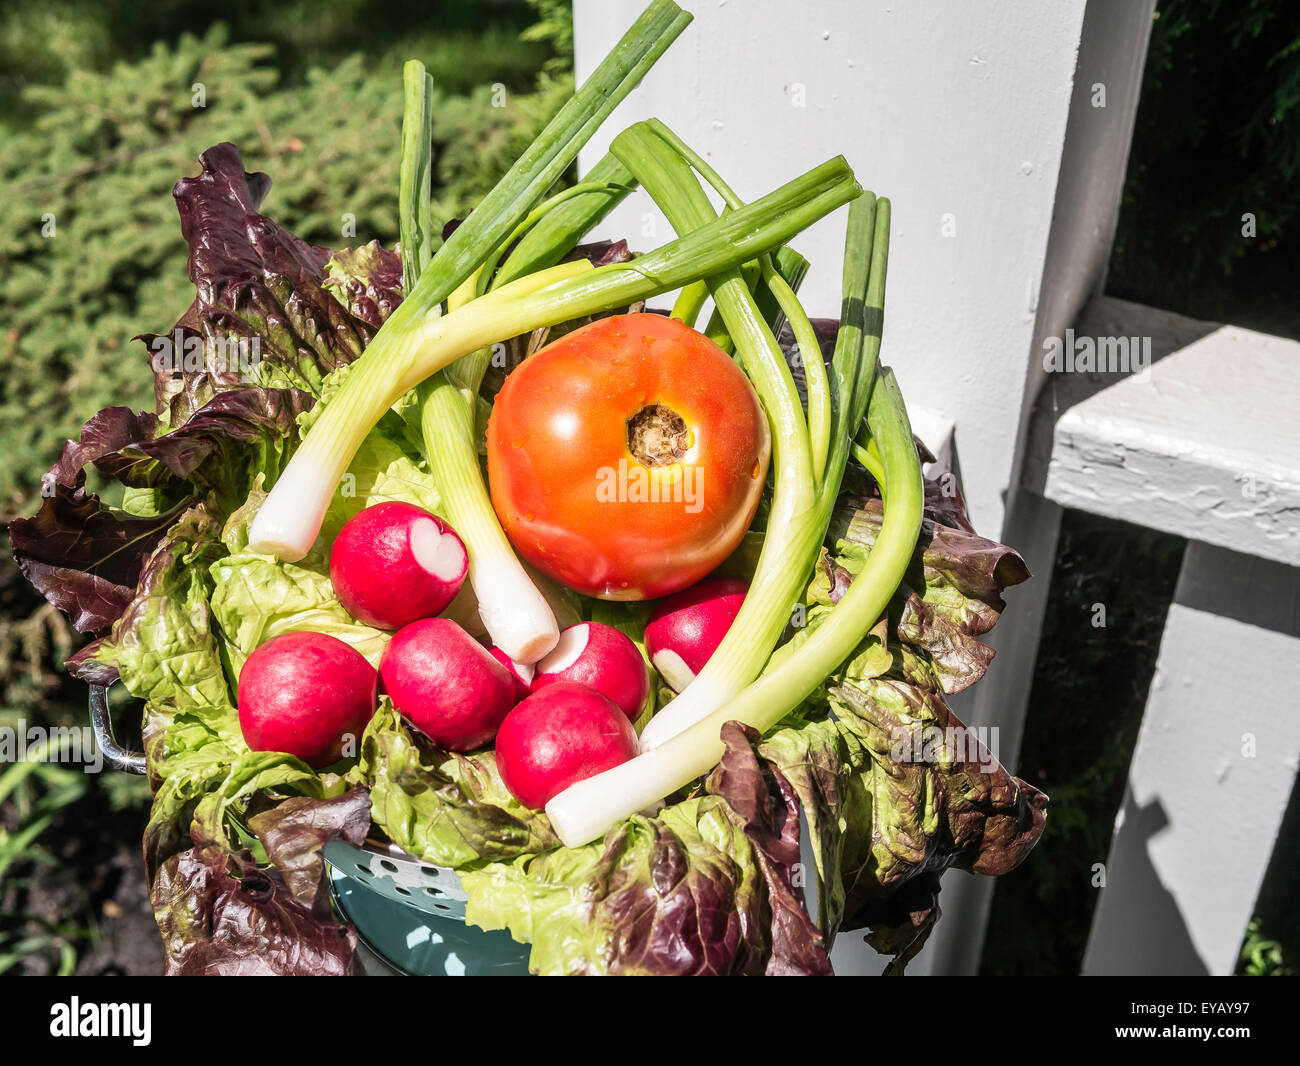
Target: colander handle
<point>132,762</point>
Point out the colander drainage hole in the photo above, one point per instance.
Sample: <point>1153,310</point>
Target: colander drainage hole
<point>401,891</point>
<point>363,871</point>
<point>391,867</point>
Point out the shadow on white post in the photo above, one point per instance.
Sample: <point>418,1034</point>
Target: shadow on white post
<point>1214,765</point>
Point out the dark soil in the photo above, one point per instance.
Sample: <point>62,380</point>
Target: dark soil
<point>97,886</point>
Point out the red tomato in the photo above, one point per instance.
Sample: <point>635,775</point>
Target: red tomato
<point>626,460</point>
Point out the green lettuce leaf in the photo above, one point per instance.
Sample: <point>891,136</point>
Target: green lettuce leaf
<point>162,646</point>
<point>679,894</point>
<point>446,808</point>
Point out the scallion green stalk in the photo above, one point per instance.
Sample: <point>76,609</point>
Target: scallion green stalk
<point>791,266</point>
<point>487,274</point>
<point>415,177</point>
<point>567,222</point>
<point>814,370</point>
<point>690,302</point>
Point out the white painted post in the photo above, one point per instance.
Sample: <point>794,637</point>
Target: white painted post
<point>975,118</point>
<point>1103,107</point>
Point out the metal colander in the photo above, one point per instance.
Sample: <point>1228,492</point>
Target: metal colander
<point>409,915</point>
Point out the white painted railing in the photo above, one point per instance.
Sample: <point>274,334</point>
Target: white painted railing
<point>1000,130</point>
<point>1205,445</point>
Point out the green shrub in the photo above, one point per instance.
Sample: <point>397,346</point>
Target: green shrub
<point>464,43</point>
<point>93,255</point>
<point>1217,140</point>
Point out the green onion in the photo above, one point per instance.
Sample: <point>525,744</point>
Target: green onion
<point>715,329</point>
<point>793,268</point>
<point>413,350</point>
<point>857,345</point>
<point>690,302</point>
<point>872,463</point>
<point>810,353</point>
<point>582,812</point>
<point>487,276</point>
<point>415,179</point>
<point>546,243</point>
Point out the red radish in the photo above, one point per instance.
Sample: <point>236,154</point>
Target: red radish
<point>600,657</point>
<point>394,562</point>
<point>560,735</point>
<point>686,628</point>
<point>521,672</point>
<point>446,684</point>
<point>305,694</point>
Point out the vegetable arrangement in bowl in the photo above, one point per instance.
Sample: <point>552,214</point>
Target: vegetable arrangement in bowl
<point>589,603</point>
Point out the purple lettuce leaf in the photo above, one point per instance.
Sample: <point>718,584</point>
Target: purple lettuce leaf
<point>256,281</point>
<point>216,425</point>
<point>767,809</point>
<point>952,592</point>
<point>295,832</point>
<point>367,281</point>
<point>899,925</point>
<point>221,915</point>
<point>86,558</point>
